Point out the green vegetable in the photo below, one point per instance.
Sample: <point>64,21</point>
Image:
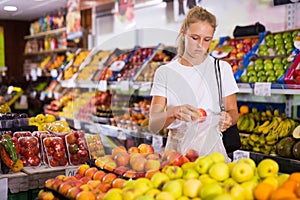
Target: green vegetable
<point>9,146</point>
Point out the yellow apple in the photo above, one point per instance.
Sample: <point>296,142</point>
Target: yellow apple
<point>217,157</point>
<point>267,167</point>
<point>210,190</point>
<point>191,187</point>
<point>159,179</point>
<point>113,194</point>
<point>190,173</point>
<point>242,172</point>
<point>219,171</point>
<point>203,163</point>
<point>174,187</point>
<point>143,185</point>
<point>164,196</point>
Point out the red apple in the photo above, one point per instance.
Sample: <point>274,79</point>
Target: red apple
<point>98,175</point>
<point>120,170</point>
<point>82,168</point>
<point>72,192</point>
<point>90,172</point>
<point>191,154</point>
<point>122,158</point>
<point>133,150</point>
<point>118,183</point>
<point>104,187</point>
<point>49,182</point>
<point>108,178</point>
<point>145,148</point>
<point>118,149</point>
<point>130,173</point>
<point>175,158</point>
<point>152,165</point>
<point>138,163</point>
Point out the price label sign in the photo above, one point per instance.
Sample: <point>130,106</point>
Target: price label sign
<point>238,154</point>
<point>71,171</point>
<point>3,188</point>
<point>102,85</point>
<point>262,89</point>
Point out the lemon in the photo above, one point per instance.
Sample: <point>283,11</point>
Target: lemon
<point>50,118</point>
<point>40,118</point>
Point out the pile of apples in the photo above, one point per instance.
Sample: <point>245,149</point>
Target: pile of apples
<point>209,177</point>
<point>142,161</point>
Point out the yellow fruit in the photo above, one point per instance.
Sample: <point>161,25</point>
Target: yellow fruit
<point>31,120</point>
<point>50,118</point>
<point>244,109</point>
<point>40,118</point>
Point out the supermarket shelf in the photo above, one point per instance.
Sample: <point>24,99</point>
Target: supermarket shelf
<point>288,89</point>
<point>48,51</point>
<point>43,34</point>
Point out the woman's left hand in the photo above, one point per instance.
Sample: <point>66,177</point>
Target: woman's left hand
<point>225,121</point>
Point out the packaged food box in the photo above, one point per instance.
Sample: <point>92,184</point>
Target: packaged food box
<point>30,151</point>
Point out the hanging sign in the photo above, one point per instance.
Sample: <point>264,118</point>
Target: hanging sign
<point>73,18</point>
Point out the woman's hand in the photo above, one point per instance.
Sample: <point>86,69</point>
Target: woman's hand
<point>225,121</point>
<point>185,113</point>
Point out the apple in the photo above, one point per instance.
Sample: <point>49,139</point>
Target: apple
<point>152,192</point>
<point>46,195</point>
<point>237,192</point>
<point>143,185</point>
<point>190,173</point>
<point>82,168</point>
<point>118,149</point>
<point>159,179</point>
<point>201,112</point>
<point>130,173</point>
<point>150,173</point>
<point>188,165</point>
<point>114,194</point>
<point>205,178</point>
<point>49,182</point>
<point>191,187</point>
<point>175,158</point>
<point>56,184</point>
<point>133,149</point>
<point>267,167</point>
<point>203,163</point>
<point>108,178</point>
<point>110,166</point>
<point>191,154</point>
<point>164,196</point>
<point>122,158</point>
<point>64,187</point>
<point>118,183</point>
<point>166,153</point>
<point>138,163</point>
<point>131,193</point>
<point>174,172</point>
<point>72,192</point>
<point>210,190</point>
<point>98,175</point>
<point>217,157</point>
<point>174,187</point>
<point>271,180</point>
<point>86,187</point>
<point>219,171</point>
<point>90,172</point>
<point>145,148</point>
<point>249,161</point>
<point>153,156</point>
<point>152,165</point>
<point>249,188</point>
<point>104,187</point>
<point>229,183</point>
<point>120,170</point>
<point>242,172</point>
<point>224,196</point>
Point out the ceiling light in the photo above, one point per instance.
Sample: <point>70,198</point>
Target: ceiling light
<point>10,8</point>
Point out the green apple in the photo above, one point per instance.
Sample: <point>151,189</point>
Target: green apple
<point>205,178</point>
<point>229,183</point>
<point>190,173</point>
<point>284,61</point>
<point>244,78</point>
<point>203,163</point>
<point>237,192</point>
<point>281,52</point>
<point>164,196</point>
<point>217,157</point>
<point>259,67</point>
<point>267,167</point>
<point>270,72</point>
<point>262,79</point>
<point>219,171</point>
<point>145,198</point>
<point>252,79</point>
<point>249,188</point>
<point>259,61</point>
<point>287,35</point>
<point>261,73</point>
<point>249,161</point>
<point>131,193</point>
<point>278,66</point>
<point>279,43</point>
<point>183,198</point>
<point>295,33</point>
<point>152,192</point>
<point>143,184</point>
<point>159,179</point>
<point>210,190</point>
<point>224,196</point>
<point>268,60</point>
<point>174,172</point>
<point>279,73</point>
<point>174,187</point>
<point>270,43</point>
<point>271,79</point>
<point>268,66</point>
<point>114,194</point>
<point>251,73</point>
<point>282,178</point>
<point>187,165</point>
<point>242,172</point>
<point>250,67</point>
<point>269,37</point>
<point>276,60</point>
<point>263,53</point>
<point>191,187</point>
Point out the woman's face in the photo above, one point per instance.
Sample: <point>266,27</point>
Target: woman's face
<point>198,37</point>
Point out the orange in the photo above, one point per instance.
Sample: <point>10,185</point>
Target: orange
<point>244,109</point>
<point>263,191</point>
<point>85,195</point>
<point>289,185</point>
<point>282,194</point>
<point>295,176</point>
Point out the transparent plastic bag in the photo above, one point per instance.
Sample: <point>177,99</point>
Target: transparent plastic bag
<point>205,137</point>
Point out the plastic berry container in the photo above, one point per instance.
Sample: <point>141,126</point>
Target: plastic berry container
<point>95,146</point>
<point>30,152</point>
<point>77,147</point>
<point>22,134</point>
<point>55,151</point>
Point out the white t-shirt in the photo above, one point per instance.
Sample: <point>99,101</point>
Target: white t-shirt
<point>196,85</point>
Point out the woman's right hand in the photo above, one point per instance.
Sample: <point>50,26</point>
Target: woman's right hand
<point>185,112</point>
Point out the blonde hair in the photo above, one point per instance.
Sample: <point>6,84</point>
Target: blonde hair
<point>194,15</point>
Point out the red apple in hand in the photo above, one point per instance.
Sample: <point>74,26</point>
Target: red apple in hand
<point>202,114</point>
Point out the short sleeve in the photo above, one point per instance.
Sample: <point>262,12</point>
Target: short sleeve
<point>159,86</point>
<point>228,81</point>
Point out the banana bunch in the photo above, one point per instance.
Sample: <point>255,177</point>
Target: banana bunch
<point>286,128</point>
<point>268,125</point>
<point>246,123</point>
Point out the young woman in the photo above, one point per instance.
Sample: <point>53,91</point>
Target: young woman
<point>189,82</point>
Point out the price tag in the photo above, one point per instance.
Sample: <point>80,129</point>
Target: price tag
<point>102,85</point>
<point>262,89</point>
<point>124,85</point>
<point>71,171</point>
<point>238,154</point>
<point>23,99</point>
<point>3,188</point>
<point>39,72</point>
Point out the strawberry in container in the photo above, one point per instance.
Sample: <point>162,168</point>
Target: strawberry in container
<point>95,146</point>
<point>29,151</point>
<point>77,147</point>
<point>22,134</point>
<point>55,151</point>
